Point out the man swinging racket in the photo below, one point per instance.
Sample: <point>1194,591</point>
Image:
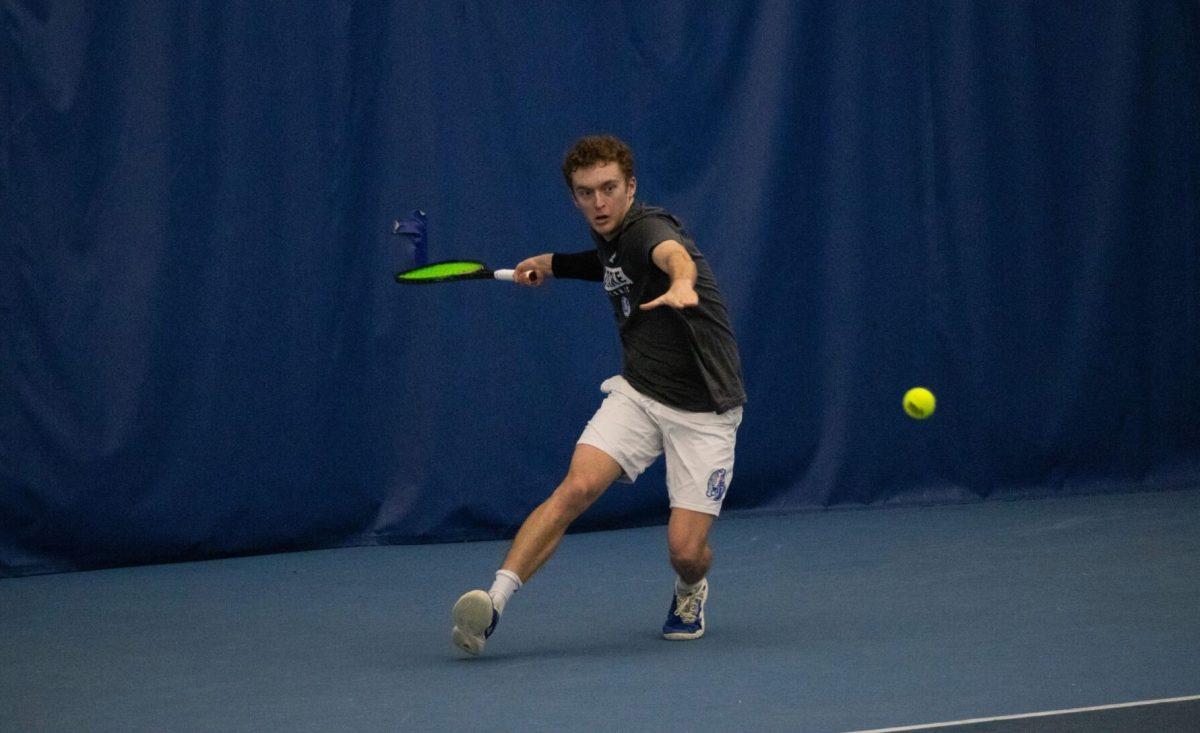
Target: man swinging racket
<point>679,392</point>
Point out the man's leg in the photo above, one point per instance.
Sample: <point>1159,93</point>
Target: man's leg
<point>476,612</point>
<point>687,542</point>
<point>592,471</point>
<point>691,556</point>
<point>700,450</point>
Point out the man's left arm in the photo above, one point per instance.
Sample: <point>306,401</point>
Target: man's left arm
<point>672,258</point>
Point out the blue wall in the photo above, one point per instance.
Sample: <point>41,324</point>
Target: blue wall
<point>204,354</point>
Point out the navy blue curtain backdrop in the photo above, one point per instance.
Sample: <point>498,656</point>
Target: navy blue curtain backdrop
<point>204,353</point>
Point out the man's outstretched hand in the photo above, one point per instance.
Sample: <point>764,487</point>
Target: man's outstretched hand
<point>680,295</point>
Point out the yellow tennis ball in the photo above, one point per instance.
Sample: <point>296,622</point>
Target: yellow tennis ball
<point>919,403</point>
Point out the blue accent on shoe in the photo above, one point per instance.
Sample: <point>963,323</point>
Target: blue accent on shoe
<point>492,627</point>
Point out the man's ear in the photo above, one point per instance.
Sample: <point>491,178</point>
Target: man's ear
<point>632,185</point>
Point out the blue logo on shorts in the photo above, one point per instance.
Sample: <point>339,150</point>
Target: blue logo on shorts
<point>625,306</point>
<point>716,485</point>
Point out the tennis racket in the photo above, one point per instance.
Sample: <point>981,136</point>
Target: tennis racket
<point>452,271</point>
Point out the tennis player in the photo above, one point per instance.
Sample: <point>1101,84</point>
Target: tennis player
<point>679,392</point>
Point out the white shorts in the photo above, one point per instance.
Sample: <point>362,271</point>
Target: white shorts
<point>635,430</point>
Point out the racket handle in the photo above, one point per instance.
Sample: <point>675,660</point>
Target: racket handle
<point>510,275</point>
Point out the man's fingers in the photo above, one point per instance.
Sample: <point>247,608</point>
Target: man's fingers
<point>529,277</point>
<point>653,304</point>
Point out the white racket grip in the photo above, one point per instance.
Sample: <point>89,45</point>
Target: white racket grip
<point>504,275</point>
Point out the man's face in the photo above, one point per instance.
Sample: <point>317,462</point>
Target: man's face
<point>603,194</point>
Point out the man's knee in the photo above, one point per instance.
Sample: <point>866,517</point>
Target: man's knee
<point>687,551</point>
<point>576,493</point>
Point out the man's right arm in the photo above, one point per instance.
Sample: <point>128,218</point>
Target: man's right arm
<point>577,266</point>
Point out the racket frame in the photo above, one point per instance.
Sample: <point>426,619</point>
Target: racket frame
<point>483,273</point>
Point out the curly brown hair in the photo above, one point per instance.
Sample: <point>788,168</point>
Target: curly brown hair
<point>593,149</point>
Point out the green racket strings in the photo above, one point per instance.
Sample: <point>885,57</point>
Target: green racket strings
<point>441,270</point>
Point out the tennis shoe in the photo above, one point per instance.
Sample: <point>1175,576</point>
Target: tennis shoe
<point>685,620</point>
<point>475,619</point>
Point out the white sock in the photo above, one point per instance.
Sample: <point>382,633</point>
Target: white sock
<point>682,588</point>
<point>506,584</point>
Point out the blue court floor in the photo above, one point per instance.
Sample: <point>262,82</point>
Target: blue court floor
<point>825,621</point>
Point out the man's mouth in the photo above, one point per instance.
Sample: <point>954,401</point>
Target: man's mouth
<point>601,218</point>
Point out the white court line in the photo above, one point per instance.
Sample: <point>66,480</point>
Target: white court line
<point>927,726</point>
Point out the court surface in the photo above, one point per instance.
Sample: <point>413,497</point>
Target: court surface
<point>823,621</point>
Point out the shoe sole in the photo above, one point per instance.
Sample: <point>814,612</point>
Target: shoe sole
<point>472,615</point>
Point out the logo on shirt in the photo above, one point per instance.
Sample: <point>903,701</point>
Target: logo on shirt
<point>615,279</point>
<point>716,484</point>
